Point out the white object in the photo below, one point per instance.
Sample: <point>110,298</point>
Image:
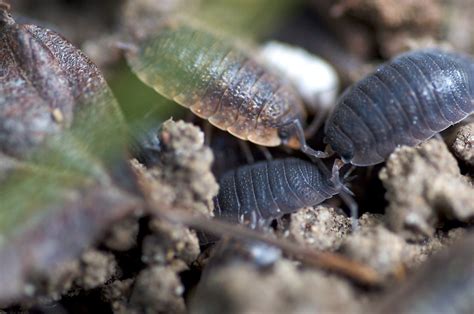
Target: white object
<point>315,79</point>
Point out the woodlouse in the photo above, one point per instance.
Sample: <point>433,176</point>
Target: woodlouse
<point>219,82</point>
<point>404,102</point>
<point>259,193</point>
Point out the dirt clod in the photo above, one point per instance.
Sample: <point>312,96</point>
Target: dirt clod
<point>123,235</point>
<point>117,294</point>
<point>183,179</point>
<point>170,244</point>
<point>444,284</point>
<point>96,268</point>
<point>378,248</point>
<point>457,24</point>
<point>421,252</point>
<point>389,253</point>
<point>396,22</point>
<point>422,184</point>
<point>157,290</point>
<point>61,282</point>
<point>394,13</point>
<point>319,227</point>
<point>463,145</point>
<point>243,289</point>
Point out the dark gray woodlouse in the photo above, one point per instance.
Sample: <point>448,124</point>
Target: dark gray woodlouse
<point>259,193</point>
<point>404,102</point>
<point>219,82</point>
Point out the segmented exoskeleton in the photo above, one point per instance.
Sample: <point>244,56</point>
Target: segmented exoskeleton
<point>404,102</point>
<point>219,82</point>
<point>259,193</point>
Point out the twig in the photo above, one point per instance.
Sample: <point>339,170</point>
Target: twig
<point>330,261</point>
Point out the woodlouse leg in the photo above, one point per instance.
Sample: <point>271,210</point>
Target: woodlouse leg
<point>369,172</point>
<point>190,117</point>
<point>346,196</point>
<point>266,152</point>
<point>298,129</point>
<point>347,176</point>
<point>208,129</point>
<point>245,147</point>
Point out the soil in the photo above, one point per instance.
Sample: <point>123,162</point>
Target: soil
<point>145,263</point>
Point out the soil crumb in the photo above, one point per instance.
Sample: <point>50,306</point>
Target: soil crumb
<point>96,269</point>
<point>463,145</point>
<point>170,244</point>
<point>319,227</point>
<point>241,288</point>
<point>183,178</point>
<point>123,235</point>
<point>444,284</point>
<point>157,289</point>
<point>457,24</point>
<point>377,247</point>
<point>117,294</point>
<point>423,184</point>
<point>396,23</point>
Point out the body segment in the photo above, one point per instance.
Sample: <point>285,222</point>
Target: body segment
<point>259,193</point>
<point>404,102</point>
<point>218,82</point>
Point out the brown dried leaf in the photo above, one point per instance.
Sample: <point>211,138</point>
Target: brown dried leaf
<point>56,234</point>
<point>44,81</point>
<point>63,176</point>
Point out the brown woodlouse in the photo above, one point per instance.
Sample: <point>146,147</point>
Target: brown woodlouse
<point>404,102</point>
<point>259,193</point>
<point>219,82</point>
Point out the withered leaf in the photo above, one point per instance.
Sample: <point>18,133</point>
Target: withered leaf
<point>63,172</point>
<point>44,82</point>
<point>52,227</point>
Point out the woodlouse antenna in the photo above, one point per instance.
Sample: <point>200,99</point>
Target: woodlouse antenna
<point>346,195</point>
<point>347,176</point>
<point>338,165</point>
<point>297,128</point>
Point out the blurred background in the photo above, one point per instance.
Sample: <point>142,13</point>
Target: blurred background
<point>350,34</point>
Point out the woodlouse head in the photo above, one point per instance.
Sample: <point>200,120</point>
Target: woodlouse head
<point>288,134</point>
